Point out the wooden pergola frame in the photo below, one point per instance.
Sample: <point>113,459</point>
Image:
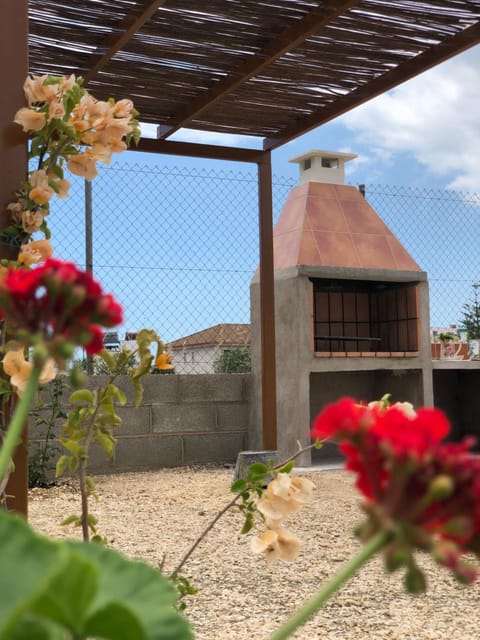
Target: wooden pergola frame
<point>273,70</point>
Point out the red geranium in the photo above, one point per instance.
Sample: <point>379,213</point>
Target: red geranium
<point>59,303</point>
<point>424,492</point>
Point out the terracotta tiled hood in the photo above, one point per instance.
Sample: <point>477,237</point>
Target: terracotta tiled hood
<point>327,223</point>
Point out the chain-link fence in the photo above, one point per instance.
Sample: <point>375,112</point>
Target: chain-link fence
<point>179,246</point>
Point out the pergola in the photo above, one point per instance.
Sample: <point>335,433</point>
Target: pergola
<point>270,69</point>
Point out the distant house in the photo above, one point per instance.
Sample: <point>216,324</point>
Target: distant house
<point>198,352</point>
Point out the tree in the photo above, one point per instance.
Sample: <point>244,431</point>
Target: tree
<point>471,314</point>
<point>235,360</point>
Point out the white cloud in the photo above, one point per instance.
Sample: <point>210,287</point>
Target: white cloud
<point>435,117</point>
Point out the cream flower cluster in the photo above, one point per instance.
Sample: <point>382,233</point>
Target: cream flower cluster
<point>18,368</point>
<point>283,496</point>
<point>406,408</point>
<point>66,125</point>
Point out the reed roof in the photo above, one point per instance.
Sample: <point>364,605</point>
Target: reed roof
<point>272,69</point>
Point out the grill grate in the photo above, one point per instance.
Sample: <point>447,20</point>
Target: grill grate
<point>358,317</point>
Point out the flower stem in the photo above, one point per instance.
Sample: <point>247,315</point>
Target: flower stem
<point>14,431</point>
<point>310,607</point>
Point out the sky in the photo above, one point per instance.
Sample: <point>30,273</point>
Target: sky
<point>423,134</point>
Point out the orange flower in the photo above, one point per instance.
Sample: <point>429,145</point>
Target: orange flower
<point>164,362</point>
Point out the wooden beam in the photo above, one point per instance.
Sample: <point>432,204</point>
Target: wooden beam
<point>284,42</point>
<point>405,71</point>
<point>127,28</point>
<point>267,305</point>
<point>13,163</point>
<point>194,150</point>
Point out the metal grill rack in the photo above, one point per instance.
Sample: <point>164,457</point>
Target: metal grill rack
<point>354,317</point>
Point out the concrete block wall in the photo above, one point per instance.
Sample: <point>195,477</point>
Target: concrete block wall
<point>183,420</point>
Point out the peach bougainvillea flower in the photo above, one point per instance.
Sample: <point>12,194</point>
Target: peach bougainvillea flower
<point>35,252</point>
<point>83,166</point>
<point>31,221</point>
<point>41,191</point>
<point>283,496</point>
<point>30,120</point>
<point>425,493</point>
<point>61,187</point>
<point>18,368</point>
<point>276,544</point>
<point>59,304</point>
<point>69,128</point>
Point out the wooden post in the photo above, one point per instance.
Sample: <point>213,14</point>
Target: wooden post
<point>267,304</point>
<point>13,170</point>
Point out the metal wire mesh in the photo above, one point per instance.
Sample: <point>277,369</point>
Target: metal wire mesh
<point>440,231</point>
<point>179,246</point>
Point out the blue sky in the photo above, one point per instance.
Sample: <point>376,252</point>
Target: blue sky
<point>423,134</point>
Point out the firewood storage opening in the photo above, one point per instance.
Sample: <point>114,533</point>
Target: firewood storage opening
<point>365,318</point>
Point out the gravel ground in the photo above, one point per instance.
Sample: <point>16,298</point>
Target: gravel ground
<point>157,515</point>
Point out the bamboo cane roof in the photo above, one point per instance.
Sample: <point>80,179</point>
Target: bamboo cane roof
<point>272,69</point>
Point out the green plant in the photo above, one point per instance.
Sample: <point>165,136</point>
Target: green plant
<point>471,314</point>
<point>125,363</point>
<point>93,419</point>
<point>236,360</point>
<point>45,416</point>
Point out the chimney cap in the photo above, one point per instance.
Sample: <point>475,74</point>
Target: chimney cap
<point>323,166</point>
<point>319,153</point>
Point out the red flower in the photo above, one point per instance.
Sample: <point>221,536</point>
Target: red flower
<point>339,419</point>
<point>424,492</point>
<point>59,303</point>
<point>95,344</point>
<point>410,436</point>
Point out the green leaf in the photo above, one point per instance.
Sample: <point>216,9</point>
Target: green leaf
<point>130,590</point>
<point>84,589</point>
<point>71,520</point>
<point>28,564</point>
<point>138,390</point>
<point>257,468</point>
<point>34,628</point>
<point>106,442</point>
<point>68,603</point>
<point>108,358</point>
<point>238,486</point>
<point>248,524</point>
<point>118,394</point>
<point>82,395</point>
<point>286,467</point>
<point>62,464</point>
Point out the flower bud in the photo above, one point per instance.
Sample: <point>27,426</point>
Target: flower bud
<point>63,350</point>
<point>441,487</point>
<point>78,379</point>
<point>395,558</point>
<point>39,356</point>
<point>415,580</point>
<point>458,527</point>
